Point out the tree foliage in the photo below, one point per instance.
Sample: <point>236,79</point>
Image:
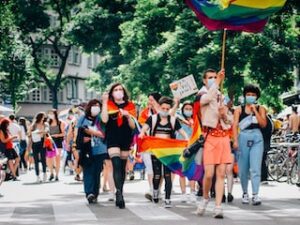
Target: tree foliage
<point>15,60</point>
<point>44,23</point>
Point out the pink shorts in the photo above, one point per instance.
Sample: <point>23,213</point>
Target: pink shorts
<point>217,150</point>
<point>50,154</point>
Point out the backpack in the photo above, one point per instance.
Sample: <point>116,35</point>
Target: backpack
<point>156,119</point>
<point>80,136</point>
<point>85,149</point>
<point>267,132</point>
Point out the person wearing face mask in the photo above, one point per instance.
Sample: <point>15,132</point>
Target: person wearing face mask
<point>216,123</point>
<point>248,119</point>
<point>57,132</point>
<point>162,125</point>
<point>91,123</point>
<point>186,122</point>
<point>120,113</point>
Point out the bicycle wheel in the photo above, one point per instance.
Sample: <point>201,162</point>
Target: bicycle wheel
<point>280,172</point>
<point>271,165</point>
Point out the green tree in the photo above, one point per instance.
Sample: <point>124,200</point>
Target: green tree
<point>44,23</point>
<point>96,29</point>
<point>15,60</point>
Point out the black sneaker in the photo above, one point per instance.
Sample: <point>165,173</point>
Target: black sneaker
<point>298,184</point>
<point>131,175</point>
<point>212,194</point>
<point>15,179</point>
<point>230,197</point>
<point>51,177</point>
<point>120,200</point>
<point>56,178</point>
<point>148,196</point>
<point>91,198</point>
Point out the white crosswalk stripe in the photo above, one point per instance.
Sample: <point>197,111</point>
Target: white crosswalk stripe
<point>69,211</point>
<point>153,212</point>
<point>6,213</point>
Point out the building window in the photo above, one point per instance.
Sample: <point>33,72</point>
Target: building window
<point>36,95</point>
<point>69,90</point>
<point>74,56</point>
<point>45,94</point>
<point>92,61</point>
<point>54,59</point>
<point>72,89</point>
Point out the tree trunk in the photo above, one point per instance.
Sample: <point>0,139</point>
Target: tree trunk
<point>54,92</point>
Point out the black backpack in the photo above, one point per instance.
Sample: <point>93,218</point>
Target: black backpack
<point>85,153</point>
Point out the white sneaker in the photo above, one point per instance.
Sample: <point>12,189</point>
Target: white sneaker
<point>44,177</point>
<point>168,203</point>
<point>184,198</point>
<point>38,180</point>
<point>111,197</point>
<point>202,207</point>
<point>192,197</point>
<point>218,212</point>
<point>256,200</point>
<point>245,199</point>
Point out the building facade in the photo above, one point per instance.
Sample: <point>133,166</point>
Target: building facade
<point>78,68</point>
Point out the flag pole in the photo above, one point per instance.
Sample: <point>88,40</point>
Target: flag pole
<point>223,55</point>
<point>223,49</point>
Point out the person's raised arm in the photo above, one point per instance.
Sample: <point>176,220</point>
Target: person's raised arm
<point>104,112</point>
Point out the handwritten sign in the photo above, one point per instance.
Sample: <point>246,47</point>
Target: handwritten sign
<point>184,87</point>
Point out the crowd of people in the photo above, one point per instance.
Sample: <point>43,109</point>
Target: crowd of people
<point>97,138</point>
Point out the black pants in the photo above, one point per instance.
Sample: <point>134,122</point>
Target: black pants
<point>39,154</point>
<point>157,173</point>
<point>264,169</point>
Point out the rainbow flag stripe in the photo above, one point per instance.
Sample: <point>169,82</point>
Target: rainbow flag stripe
<point>238,15</point>
<point>169,152</point>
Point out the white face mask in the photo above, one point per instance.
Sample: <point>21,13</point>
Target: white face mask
<point>51,116</point>
<point>118,95</point>
<point>95,110</point>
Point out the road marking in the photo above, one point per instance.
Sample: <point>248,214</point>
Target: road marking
<point>6,213</point>
<point>153,212</point>
<point>236,213</point>
<point>68,212</point>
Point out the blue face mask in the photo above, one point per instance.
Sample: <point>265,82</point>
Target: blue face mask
<point>163,114</point>
<point>210,82</point>
<point>250,99</point>
<point>188,113</point>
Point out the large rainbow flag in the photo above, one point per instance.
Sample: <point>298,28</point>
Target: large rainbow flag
<point>169,152</point>
<point>238,15</point>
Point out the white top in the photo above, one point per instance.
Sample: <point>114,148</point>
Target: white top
<point>36,136</point>
<point>14,129</point>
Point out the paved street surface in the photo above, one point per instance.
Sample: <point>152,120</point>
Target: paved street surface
<point>63,202</point>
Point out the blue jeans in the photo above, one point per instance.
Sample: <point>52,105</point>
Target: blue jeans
<point>251,147</point>
<point>91,175</point>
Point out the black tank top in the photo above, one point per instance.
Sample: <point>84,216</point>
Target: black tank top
<point>244,114</point>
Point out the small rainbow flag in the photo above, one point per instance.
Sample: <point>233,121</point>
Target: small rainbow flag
<point>238,15</point>
<point>114,109</point>
<point>169,152</point>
